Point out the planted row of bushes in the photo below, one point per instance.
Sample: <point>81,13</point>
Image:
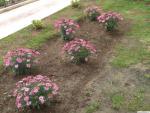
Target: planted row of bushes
<point>78,49</point>
<point>108,19</point>
<point>34,91</point>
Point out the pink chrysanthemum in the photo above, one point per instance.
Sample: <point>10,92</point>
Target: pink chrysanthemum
<point>34,89</point>
<point>103,18</point>
<point>21,57</point>
<point>79,49</point>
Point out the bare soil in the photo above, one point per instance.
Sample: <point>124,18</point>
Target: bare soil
<point>79,84</point>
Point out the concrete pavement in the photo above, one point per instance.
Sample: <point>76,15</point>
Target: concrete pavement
<point>21,17</point>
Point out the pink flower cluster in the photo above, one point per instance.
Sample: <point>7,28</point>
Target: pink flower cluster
<point>76,44</point>
<point>92,9</point>
<point>69,25</point>
<point>109,15</point>
<point>22,55</point>
<point>34,90</point>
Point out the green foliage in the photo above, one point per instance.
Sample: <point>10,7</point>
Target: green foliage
<point>37,24</point>
<point>22,70</point>
<point>111,24</point>
<point>93,107</point>
<point>75,4</point>
<point>41,92</point>
<point>117,101</point>
<point>2,2</point>
<point>93,16</point>
<point>66,37</point>
<point>80,56</point>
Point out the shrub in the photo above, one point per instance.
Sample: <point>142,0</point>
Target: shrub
<point>110,20</point>
<point>2,2</point>
<point>34,92</point>
<point>21,60</point>
<point>92,12</point>
<point>79,50</point>
<point>37,24</point>
<point>75,3</point>
<point>67,28</point>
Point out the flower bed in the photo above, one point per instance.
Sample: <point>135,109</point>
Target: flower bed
<point>36,91</point>
<point>83,84</point>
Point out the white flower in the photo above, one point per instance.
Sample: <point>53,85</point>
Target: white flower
<point>16,66</point>
<point>28,60</point>
<point>42,99</point>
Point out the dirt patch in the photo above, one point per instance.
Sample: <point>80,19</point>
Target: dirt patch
<point>72,79</point>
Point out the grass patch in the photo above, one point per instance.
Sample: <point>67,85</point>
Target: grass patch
<point>37,41</point>
<point>127,56</point>
<point>93,107</point>
<point>147,76</point>
<point>117,101</point>
<point>137,102</point>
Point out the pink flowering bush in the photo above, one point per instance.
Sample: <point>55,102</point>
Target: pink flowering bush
<point>67,28</point>
<point>110,20</point>
<point>21,60</point>
<point>79,50</point>
<point>34,91</point>
<point>93,12</point>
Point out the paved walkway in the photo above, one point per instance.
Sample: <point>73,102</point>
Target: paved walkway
<point>21,17</point>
